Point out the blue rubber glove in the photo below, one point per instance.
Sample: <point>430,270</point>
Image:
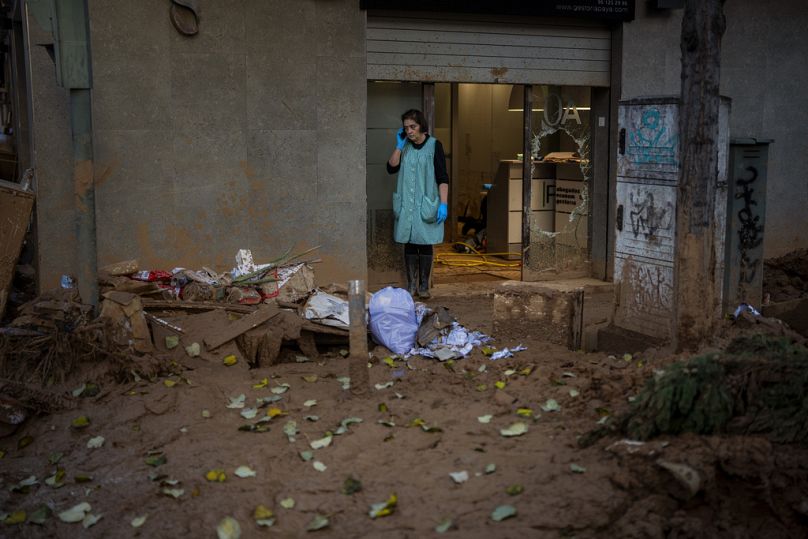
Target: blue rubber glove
<point>443,211</point>
<point>401,139</point>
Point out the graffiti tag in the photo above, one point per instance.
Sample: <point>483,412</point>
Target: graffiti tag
<point>651,143</point>
<point>750,231</point>
<point>646,217</point>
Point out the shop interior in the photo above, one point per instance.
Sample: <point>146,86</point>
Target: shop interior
<point>481,128</point>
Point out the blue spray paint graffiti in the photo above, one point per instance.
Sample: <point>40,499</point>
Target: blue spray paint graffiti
<point>651,142</point>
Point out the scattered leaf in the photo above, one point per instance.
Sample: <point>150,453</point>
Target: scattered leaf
<point>385,508</point>
<point>627,357</point>
<point>516,429</point>
<point>384,385</point>
<point>17,517</point>
<point>481,387</point>
<point>444,526</point>
<point>568,374</point>
<point>514,490</point>
<point>500,384</point>
<point>526,371</point>
<point>306,455</point>
<point>237,402</point>
<point>488,350</point>
<point>95,442</point>
<point>57,479</point>
<point>502,512</point>
<point>386,423</point>
<point>158,459</point>
<point>280,389</point>
<point>343,425</point>
<point>290,429</point>
<point>383,408</point>
<point>216,476</point>
<point>80,422</point>
<point>321,443</point>
<point>169,383</point>
<point>576,468</point>
<point>54,458</point>
<point>40,514</point>
<point>137,522</point>
<point>312,418</point>
<point>524,412</point>
<point>302,359</point>
<point>249,413</point>
<point>244,472</point>
<point>309,403</point>
<point>262,384</point>
<point>490,468</point>
<point>75,513</point>
<point>351,486</point>
<point>82,478</point>
<point>288,503</point>
<point>172,341</point>
<point>345,381</point>
<point>24,485</point>
<point>317,523</point>
<point>254,428</point>
<point>228,528</point>
<point>482,368</point>
<point>319,466</point>
<point>173,492</point>
<point>343,353</point>
<point>485,418</point>
<point>551,406</point>
<point>264,516</point>
<point>230,360</point>
<point>87,390</point>
<point>206,414</point>
<point>310,378</point>
<point>459,477</point>
<point>509,372</point>
<point>574,392</point>
<point>90,520</point>
<point>390,362</point>
<point>193,350</point>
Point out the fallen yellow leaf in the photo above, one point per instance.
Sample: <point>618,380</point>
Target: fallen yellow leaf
<point>216,476</point>
<point>230,360</point>
<point>274,412</point>
<point>500,384</point>
<point>169,383</point>
<point>262,384</point>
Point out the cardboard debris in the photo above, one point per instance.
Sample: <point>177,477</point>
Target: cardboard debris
<point>125,267</point>
<point>236,328</point>
<point>126,313</point>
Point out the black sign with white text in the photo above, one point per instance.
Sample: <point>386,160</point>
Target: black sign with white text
<point>609,10</point>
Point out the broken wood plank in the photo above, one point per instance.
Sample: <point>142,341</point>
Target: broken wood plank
<point>242,325</point>
<point>169,305</point>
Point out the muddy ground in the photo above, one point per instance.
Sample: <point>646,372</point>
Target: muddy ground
<point>748,487</point>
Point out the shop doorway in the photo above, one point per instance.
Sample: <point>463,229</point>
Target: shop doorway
<point>481,127</point>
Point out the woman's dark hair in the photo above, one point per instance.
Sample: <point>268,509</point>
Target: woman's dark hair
<point>418,117</point>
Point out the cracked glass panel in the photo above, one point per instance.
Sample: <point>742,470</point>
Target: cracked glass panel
<point>559,235</point>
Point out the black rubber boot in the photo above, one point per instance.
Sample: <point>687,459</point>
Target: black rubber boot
<point>411,264</point>
<point>423,282</point>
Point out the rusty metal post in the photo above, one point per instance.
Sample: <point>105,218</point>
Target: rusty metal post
<point>84,184</point>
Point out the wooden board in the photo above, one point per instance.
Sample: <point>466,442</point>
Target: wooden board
<point>242,325</point>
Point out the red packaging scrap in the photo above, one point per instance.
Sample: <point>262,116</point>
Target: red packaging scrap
<point>151,276</point>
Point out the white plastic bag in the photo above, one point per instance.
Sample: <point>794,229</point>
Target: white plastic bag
<point>392,319</point>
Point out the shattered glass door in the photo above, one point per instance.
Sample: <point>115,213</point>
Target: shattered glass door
<point>561,136</point>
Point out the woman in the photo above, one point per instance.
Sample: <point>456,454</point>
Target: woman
<point>419,202</point>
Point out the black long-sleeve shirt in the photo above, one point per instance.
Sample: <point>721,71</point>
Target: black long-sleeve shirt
<point>441,176</point>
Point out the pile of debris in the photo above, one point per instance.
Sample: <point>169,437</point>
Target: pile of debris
<point>149,317</point>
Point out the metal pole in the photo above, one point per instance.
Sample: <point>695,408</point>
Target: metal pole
<point>527,174</point>
<point>84,184</point>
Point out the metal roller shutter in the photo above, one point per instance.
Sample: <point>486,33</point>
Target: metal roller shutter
<point>467,48</point>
